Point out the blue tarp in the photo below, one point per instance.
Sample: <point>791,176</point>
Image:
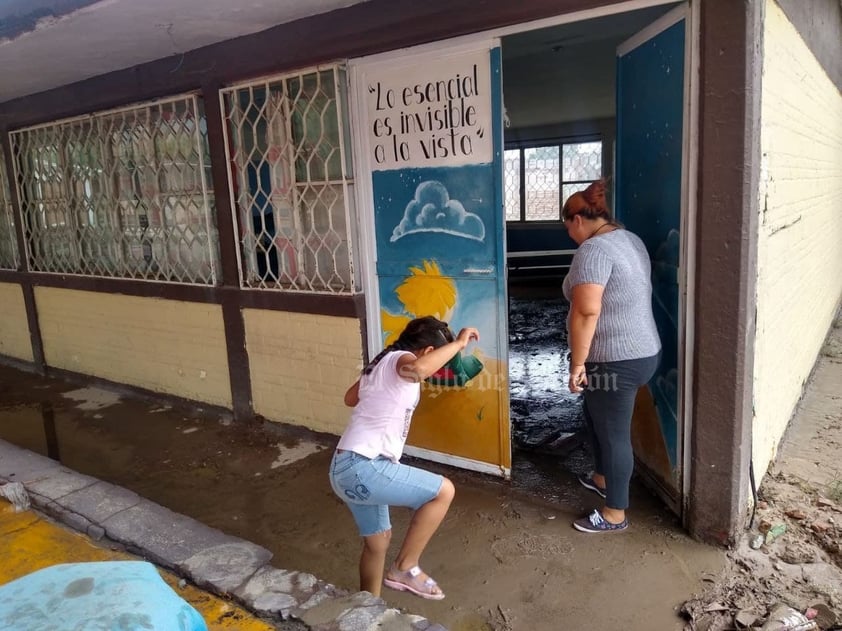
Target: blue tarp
<point>107,596</point>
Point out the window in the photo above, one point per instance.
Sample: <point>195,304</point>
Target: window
<point>123,193</point>
<point>537,180</point>
<point>8,239</point>
<point>290,181</point>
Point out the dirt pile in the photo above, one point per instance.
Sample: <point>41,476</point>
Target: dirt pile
<point>792,556</point>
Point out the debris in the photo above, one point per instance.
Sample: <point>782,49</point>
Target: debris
<point>16,493</point>
<point>757,542</point>
<point>824,615</point>
<point>823,501</point>
<point>745,618</point>
<point>820,526</point>
<point>764,526</point>
<point>762,505</point>
<point>785,618</point>
<point>775,532</point>
<point>796,513</point>
<point>715,607</point>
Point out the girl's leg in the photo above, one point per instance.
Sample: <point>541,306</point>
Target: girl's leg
<point>425,522</point>
<point>373,561</point>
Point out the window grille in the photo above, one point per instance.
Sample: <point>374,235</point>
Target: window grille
<point>291,186</point>
<point>123,193</point>
<point>511,179</point>
<point>538,180</point>
<point>8,240</point>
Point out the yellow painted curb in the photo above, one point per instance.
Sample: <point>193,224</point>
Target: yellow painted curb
<point>31,542</point>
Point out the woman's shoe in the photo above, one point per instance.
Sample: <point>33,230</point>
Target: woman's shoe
<point>410,581</point>
<point>595,523</point>
<point>588,483</point>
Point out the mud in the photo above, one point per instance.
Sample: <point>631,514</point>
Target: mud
<point>506,554</point>
<point>541,405</point>
<point>792,553</point>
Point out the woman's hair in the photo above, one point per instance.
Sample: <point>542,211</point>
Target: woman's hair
<point>589,203</point>
<point>419,333</point>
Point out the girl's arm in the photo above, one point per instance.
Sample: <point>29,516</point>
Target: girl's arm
<point>585,308</point>
<point>417,369</point>
<point>352,395</point>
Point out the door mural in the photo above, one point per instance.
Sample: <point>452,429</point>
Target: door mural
<point>432,147</point>
<point>649,193</point>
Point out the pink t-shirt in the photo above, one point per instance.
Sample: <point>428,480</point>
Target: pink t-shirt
<point>380,421</point>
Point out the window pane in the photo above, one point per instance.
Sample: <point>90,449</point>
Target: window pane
<point>511,184</point>
<point>582,161</point>
<point>121,193</point>
<point>542,183</point>
<point>8,238</point>
<point>285,145</point>
<point>569,189</point>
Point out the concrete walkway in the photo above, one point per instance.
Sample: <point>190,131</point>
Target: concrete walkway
<point>217,562</point>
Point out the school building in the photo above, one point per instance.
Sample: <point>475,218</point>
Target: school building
<point>237,203</point>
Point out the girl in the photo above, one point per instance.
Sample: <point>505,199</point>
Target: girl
<point>366,473</point>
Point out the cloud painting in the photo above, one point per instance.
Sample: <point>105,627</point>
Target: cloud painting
<point>432,210</point>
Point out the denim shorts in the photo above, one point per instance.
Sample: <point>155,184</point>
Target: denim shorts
<point>369,486</point>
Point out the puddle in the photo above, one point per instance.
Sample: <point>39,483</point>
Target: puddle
<point>92,398</point>
<point>288,455</point>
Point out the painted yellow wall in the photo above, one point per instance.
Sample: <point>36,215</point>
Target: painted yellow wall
<point>162,345</point>
<point>14,328</point>
<point>301,365</point>
<point>800,233</point>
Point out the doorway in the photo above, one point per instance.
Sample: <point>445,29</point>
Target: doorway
<point>580,102</point>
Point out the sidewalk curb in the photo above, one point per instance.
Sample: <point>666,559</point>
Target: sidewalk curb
<point>220,563</point>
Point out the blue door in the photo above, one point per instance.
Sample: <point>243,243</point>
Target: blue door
<point>649,200</point>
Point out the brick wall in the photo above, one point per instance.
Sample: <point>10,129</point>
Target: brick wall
<point>301,365</point>
<point>14,329</point>
<point>800,229</point>
<point>166,346</point>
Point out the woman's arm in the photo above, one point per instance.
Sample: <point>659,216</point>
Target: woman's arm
<point>417,369</point>
<point>352,395</point>
<point>585,307</point>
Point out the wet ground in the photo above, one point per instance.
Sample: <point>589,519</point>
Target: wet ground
<point>543,411</point>
<point>506,554</point>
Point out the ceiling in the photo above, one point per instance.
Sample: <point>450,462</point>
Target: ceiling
<point>48,43</point>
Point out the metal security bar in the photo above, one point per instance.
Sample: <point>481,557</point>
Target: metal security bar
<point>291,185</point>
<point>8,241</point>
<point>123,193</point>
<point>511,183</point>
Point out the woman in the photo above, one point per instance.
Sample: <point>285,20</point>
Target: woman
<point>366,473</point>
<point>614,344</point>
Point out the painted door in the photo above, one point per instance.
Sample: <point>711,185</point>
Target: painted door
<point>428,147</point>
<point>650,196</point>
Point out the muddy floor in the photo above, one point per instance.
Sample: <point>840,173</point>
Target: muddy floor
<point>543,411</point>
<point>506,554</point>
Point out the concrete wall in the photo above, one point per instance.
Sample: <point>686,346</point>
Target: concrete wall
<point>799,279</point>
<point>14,329</point>
<point>166,346</point>
<point>301,365</point>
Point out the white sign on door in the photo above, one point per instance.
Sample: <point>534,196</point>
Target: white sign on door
<point>433,114</point>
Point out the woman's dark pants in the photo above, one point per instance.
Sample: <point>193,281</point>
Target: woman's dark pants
<point>609,403</point>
